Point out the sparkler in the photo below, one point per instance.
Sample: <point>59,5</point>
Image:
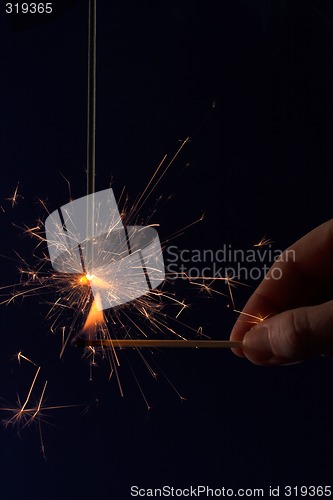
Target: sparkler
<point>119,263</point>
<point>104,259</point>
<point>127,262</point>
<point>91,129</point>
<point>135,323</point>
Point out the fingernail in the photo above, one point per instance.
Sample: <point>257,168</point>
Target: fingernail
<point>256,341</point>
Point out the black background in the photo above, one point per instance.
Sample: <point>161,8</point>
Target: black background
<point>258,164</point>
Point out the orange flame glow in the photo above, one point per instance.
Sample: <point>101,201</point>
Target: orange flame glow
<point>95,316</point>
<point>88,279</point>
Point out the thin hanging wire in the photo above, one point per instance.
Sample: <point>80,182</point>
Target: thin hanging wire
<point>91,132</point>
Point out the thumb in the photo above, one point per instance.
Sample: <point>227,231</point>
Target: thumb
<point>291,336</point>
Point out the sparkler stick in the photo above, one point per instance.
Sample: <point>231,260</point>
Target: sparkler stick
<point>91,137</point>
<point>114,343</point>
<point>91,130</point>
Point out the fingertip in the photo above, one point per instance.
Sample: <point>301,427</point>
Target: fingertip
<point>238,352</point>
<point>237,335</point>
<point>257,346</point>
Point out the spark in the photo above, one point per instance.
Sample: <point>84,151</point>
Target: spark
<point>253,318</point>
<point>182,309</point>
<point>200,333</point>
<point>155,180</point>
<point>182,398</point>
<point>15,197</point>
<point>264,242</point>
<point>230,283</point>
<point>32,409</point>
<point>140,388</point>
<point>24,414</point>
<point>182,230</point>
<point>21,356</point>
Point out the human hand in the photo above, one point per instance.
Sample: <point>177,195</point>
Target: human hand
<point>294,300</point>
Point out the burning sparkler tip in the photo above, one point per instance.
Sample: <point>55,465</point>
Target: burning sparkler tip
<point>86,279</point>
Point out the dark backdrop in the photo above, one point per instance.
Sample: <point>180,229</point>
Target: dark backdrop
<point>250,82</point>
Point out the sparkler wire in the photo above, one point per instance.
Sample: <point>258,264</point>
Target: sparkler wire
<point>91,129</point>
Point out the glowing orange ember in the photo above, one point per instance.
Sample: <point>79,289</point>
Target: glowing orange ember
<point>86,279</point>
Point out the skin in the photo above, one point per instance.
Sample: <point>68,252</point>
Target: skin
<point>298,305</point>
